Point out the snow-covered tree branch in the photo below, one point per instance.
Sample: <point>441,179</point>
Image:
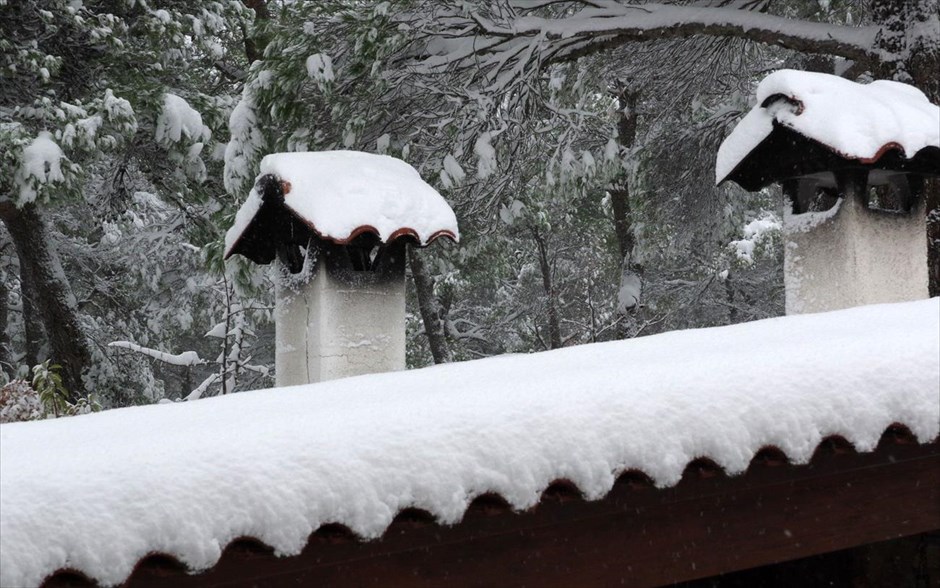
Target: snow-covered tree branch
<point>186,358</point>
<point>502,41</point>
<point>601,26</point>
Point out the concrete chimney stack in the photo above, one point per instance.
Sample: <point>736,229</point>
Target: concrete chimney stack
<point>337,224</point>
<point>851,159</point>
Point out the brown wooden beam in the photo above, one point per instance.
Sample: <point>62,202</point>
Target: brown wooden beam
<point>636,536</point>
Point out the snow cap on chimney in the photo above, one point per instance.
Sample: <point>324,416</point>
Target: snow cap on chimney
<point>339,223</point>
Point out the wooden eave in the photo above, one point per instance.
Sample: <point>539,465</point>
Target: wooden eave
<point>786,154</point>
<point>275,222</point>
<point>637,535</point>
<point>257,244</point>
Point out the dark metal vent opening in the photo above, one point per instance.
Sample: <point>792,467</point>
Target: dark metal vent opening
<point>877,190</point>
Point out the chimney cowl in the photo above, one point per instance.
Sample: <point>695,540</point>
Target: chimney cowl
<point>347,217</point>
<point>336,197</point>
<point>851,159</point>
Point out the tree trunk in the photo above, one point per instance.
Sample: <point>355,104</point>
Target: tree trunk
<point>554,327</point>
<point>620,191</point>
<point>32,323</point>
<point>431,313</point>
<point>729,296</point>
<point>620,206</point>
<point>631,273</point>
<point>41,269</point>
<point>255,44</point>
<point>6,345</point>
<point>932,194</point>
<point>923,68</point>
<point>6,359</point>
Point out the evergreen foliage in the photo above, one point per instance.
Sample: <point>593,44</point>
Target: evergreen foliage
<point>580,165</point>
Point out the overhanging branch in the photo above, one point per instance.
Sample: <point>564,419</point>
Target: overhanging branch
<point>592,30</point>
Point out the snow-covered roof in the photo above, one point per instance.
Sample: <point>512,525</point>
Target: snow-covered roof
<point>97,493</point>
<point>856,121</point>
<point>341,194</point>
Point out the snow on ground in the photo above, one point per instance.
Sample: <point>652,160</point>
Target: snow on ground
<point>340,192</point>
<point>99,492</point>
<point>856,120</point>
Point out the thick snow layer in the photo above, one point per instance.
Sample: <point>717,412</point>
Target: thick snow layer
<point>186,358</point>
<point>631,288</point>
<point>807,221</point>
<point>177,120</point>
<point>98,492</point>
<point>755,232</point>
<point>247,141</point>
<point>41,164</point>
<point>486,155</point>
<point>339,193</point>
<point>856,120</point>
<point>320,67</point>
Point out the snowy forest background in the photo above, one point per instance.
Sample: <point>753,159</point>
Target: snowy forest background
<point>575,140</point>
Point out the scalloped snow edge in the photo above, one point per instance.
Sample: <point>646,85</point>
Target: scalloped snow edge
<point>97,493</point>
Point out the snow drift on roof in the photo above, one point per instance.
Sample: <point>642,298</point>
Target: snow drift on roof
<point>855,120</point>
<point>99,492</point>
<point>340,194</point>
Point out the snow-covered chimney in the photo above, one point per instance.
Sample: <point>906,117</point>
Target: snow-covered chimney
<point>339,224</point>
<point>851,159</point>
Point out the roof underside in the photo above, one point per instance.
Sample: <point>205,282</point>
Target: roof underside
<point>807,123</point>
<point>275,225</point>
<point>786,154</point>
<point>336,196</point>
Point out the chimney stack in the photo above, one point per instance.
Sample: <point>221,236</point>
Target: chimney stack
<point>851,159</point>
<point>337,224</point>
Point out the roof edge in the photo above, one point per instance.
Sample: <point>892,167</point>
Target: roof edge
<point>558,490</point>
